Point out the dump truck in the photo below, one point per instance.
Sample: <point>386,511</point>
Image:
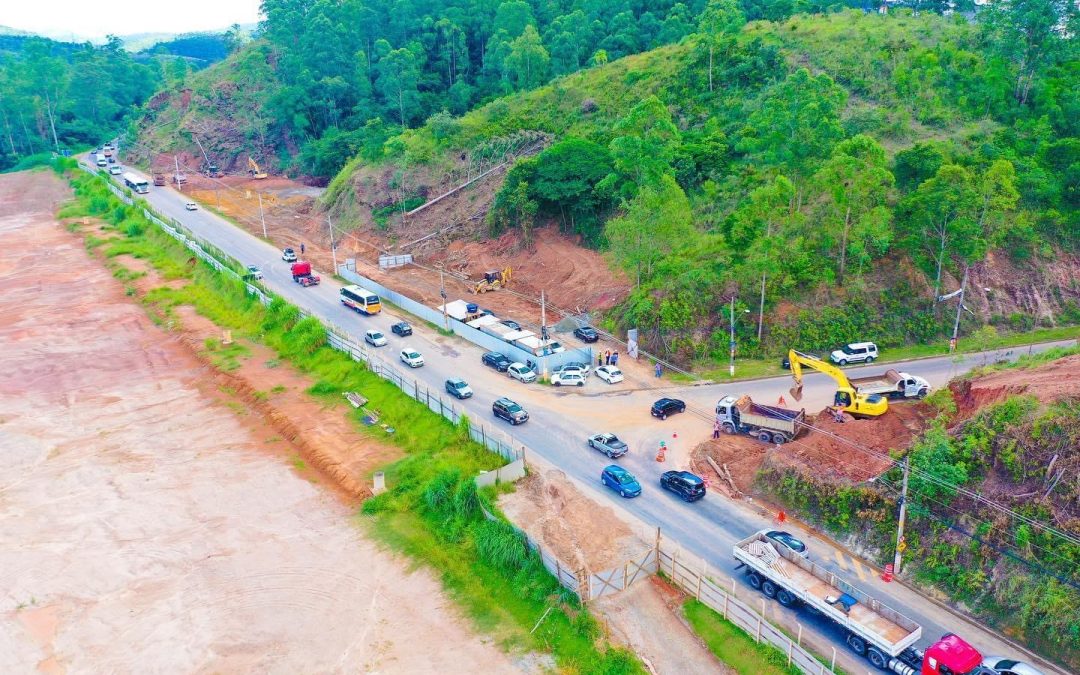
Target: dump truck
<point>302,274</point>
<point>159,179</point>
<point>767,423</point>
<point>871,628</point>
<point>892,384</point>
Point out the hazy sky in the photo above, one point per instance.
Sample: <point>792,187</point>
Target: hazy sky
<point>96,18</point>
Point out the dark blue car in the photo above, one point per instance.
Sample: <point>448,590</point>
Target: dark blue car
<point>620,480</point>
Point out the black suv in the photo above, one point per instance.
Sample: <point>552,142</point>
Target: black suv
<point>495,360</point>
<point>401,328</point>
<point>587,334</point>
<point>667,406</point>
<point>509,411</point>
<point>683,483</point>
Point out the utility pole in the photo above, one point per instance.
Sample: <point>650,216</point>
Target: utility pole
<point>262,216</point>
<point>543,319</point>
<point>959,308</point>
<point>900,543</point>
<point>176,176</point>
<point>731,343</point>
<point>442,293</point>
<point>333,247</point>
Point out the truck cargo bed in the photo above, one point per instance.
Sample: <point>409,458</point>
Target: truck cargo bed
<point>770,417</point>
<point>886,380</point>
<point>867,617</point>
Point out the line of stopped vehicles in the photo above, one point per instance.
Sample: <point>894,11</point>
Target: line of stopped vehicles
<point>775,562</point>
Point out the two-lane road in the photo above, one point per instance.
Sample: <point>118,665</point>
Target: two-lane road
<point>561,420</point>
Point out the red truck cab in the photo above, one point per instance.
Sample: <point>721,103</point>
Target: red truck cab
<point>951,655</point>
<point>301,274</point>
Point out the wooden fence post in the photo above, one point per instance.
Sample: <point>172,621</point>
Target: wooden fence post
<point>625,574</point>
<point>704,566</point>
<point>832,666</point>
<point>800,634</point>
<point>790,644</point>
<point>674,555</point>
<point>726,596</point>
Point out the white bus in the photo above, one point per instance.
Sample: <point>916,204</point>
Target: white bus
<point>137,184</point>
<point>360,299</point>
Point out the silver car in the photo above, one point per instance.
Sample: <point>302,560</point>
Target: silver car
<point>1004,666</point>
<point>609,444</point>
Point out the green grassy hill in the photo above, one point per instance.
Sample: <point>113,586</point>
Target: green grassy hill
<point>831,155</point>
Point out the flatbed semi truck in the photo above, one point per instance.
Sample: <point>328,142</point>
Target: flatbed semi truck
<point>872,629</point>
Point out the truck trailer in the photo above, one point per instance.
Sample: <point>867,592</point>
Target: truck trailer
<point>872,629</point>
<point>767,423</point>
<point>892,384</point>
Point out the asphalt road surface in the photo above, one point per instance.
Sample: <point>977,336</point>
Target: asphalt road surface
<point>561,420</point>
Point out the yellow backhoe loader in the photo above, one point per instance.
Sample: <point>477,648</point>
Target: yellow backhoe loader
<point>847,398</point>
<point>493,281</point>
<point>254,170</point>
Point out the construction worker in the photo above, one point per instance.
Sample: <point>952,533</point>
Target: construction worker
<point>301,248</point>
<point>716,429</point>
<point>659,370</point>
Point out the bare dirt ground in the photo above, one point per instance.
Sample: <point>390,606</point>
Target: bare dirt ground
<point>1047,382</point>
<point>585,535</point>
<point>825,454</point>
<point>159,527</point>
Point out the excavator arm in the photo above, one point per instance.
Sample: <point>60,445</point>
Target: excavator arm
<point>847,397</point>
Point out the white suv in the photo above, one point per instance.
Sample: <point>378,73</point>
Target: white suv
<point>520,371</point>
<point>856,352</point>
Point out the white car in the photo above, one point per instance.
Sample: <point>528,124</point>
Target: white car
<point>191,206</point>
<point>254,272</point>
<point>288,255</point>
<point>377,339</point>
<point>583,368</point>
<point>609,374</point>
<point>1005,666</point>
<point>411,357</point>
<point>520,371</point>
<point>115,170</point>
<point>568,377</point>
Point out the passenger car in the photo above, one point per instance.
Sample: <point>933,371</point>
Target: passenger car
<point>569,377</point>
<point>375,339</point>
<point>683,483</point>
<point>253,272</point>
<point>787,539</point>
<point>511,412</point>
<point>667,406</point>
<point>575,365</point>
<point>856,352</point>
<point>609,444</point>
<point>191,206</point>
<point>609,374</point>
<point>288,255</point>
<point>401,328</point>
<point>620,480</point>
<point>1004,666</point>
<point>495,360</point>
<point>458,388</point>
<point>586,334</point>
<point>115,170</point>
<point>520,371</point>
<point>411,357</point>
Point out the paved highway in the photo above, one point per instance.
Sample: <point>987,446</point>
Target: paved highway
<point>561,420</point>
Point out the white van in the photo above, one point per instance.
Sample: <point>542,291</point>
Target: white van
<point>856,352</point>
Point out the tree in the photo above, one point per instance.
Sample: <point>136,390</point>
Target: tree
<point>399,74</point>
<point>998,198</point>
<point>855,215</point>
<point>916,164</point>
<point>943,216</point>
<point>527,62</point>
<point>1032,35</point>
<point>720,20</point>
<point>798,123</point>
<point>758,227</point>
<point>644,143</point>
<point>565,179</point>
<point>656,222</point>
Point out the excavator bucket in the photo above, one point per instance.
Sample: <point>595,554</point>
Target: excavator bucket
<point>796,392</point>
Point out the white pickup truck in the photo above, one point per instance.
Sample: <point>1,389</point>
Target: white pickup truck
<point>892,384</point>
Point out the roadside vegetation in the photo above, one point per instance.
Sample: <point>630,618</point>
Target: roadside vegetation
<point>1019,578</point>
<point>433,512</point>
<point>732,645</point>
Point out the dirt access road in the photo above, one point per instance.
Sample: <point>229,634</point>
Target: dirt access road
<point>149,527</point>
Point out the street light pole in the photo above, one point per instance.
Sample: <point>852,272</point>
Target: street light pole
<point>262,216</point>
<point>333,248</point>
<point>731,342</point>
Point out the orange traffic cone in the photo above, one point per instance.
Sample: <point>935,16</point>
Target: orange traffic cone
<point>781,402</point>
<point>781,517</point>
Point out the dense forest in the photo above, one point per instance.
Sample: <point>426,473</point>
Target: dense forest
<point>57,96</point>
<point>850,162</point>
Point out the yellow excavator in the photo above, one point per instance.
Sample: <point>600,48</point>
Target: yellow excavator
<point>493,281</point>
<point>254,170</point>
<point>847,398</point>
